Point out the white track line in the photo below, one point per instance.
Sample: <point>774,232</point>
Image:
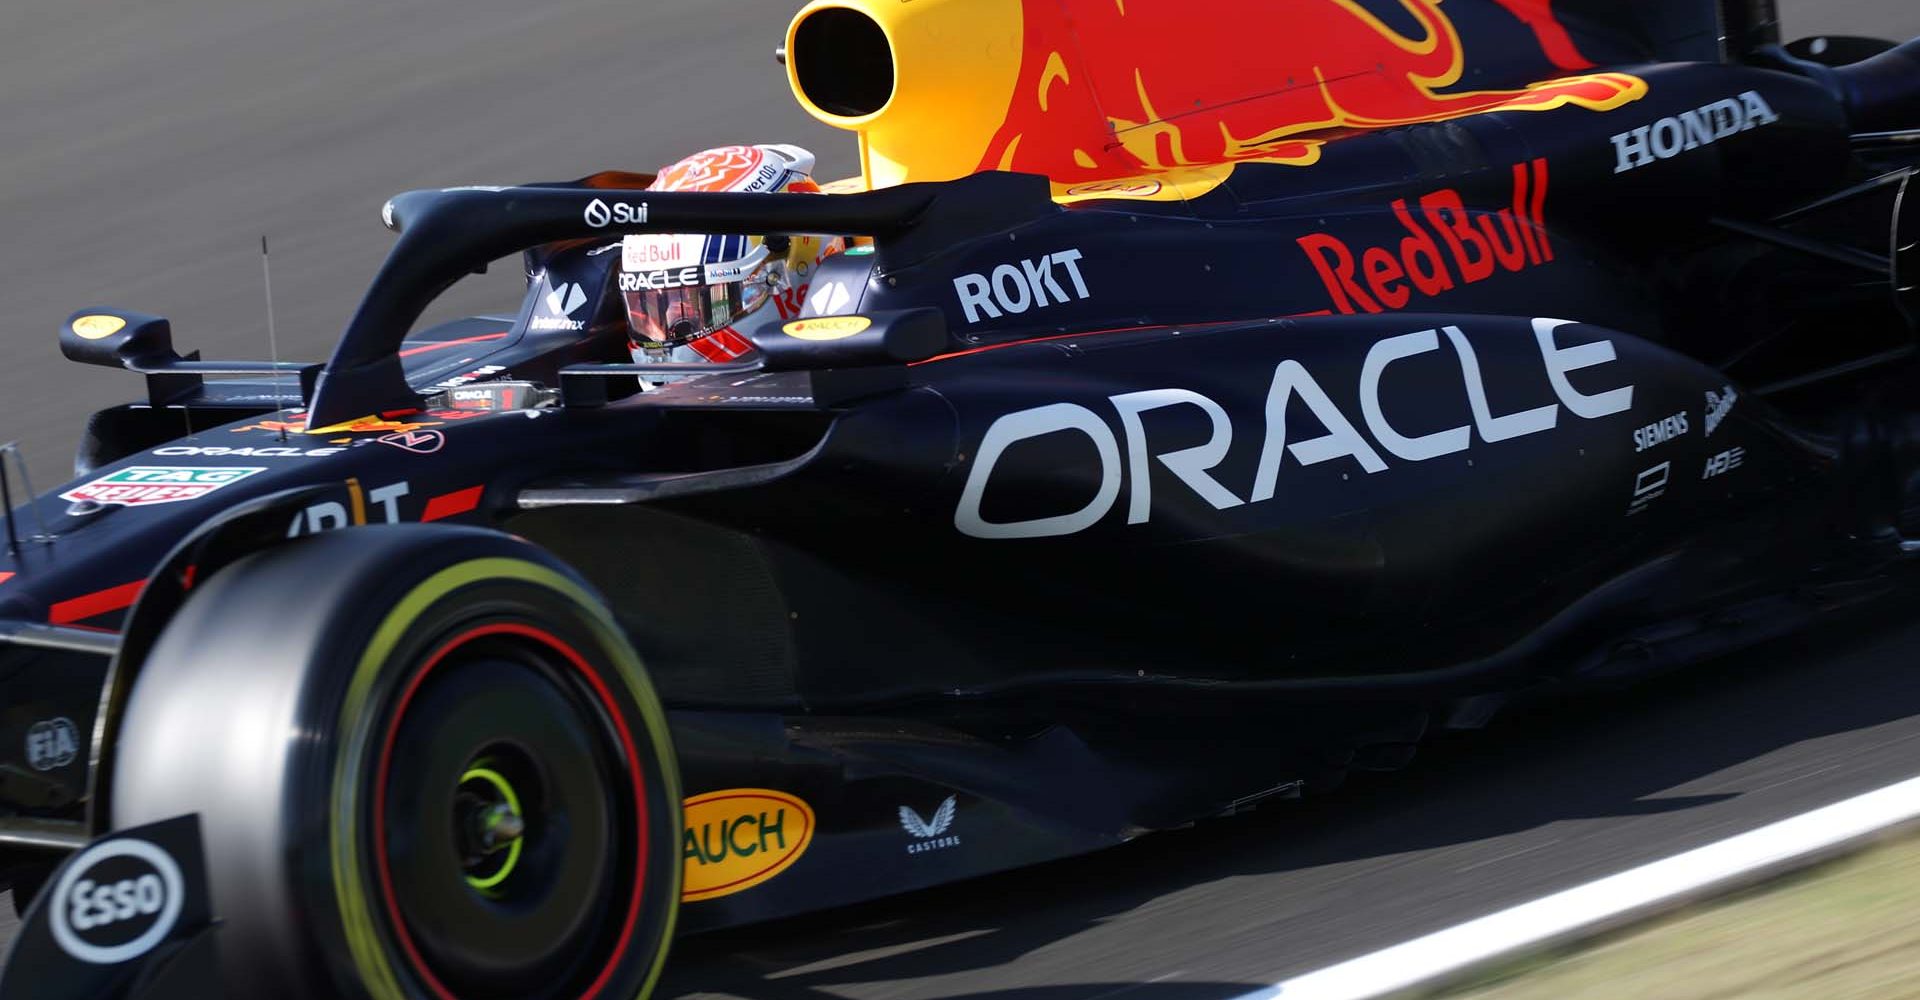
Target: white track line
<point>1594,904</point>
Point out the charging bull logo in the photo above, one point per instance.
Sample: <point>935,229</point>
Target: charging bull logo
<point>1118,88</point>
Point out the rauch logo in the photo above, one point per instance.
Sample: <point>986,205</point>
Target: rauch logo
<point>1468,249</point>
<point>738,838</point>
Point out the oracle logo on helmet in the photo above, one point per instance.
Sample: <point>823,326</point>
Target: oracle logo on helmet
<point>639,281</point>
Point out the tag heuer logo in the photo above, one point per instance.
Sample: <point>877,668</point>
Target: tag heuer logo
<point>145,485</point>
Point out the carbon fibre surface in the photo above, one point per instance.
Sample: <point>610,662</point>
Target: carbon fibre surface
<point>150,165</point>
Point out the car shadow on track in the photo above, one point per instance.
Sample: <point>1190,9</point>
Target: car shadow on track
<point>1223,908</point>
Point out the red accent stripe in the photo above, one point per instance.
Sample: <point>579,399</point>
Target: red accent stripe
<point>626,744</point>
<point>4,577</point>
<point>93,605</point>
<point>453,504</point>
<point>440,344</point>
<point>1032,340</point>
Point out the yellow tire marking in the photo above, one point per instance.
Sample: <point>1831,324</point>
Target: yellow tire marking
<point>370,957</point>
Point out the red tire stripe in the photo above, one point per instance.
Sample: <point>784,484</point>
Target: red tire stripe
<point>627,745</point>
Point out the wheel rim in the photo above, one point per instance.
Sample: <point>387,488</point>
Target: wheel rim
<point>502,824</point>
<point>493,826</point>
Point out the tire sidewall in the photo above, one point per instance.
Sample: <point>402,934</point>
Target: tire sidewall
<point>353,613</point>
<point>457,597</point>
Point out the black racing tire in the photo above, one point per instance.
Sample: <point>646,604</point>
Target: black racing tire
<point>426,762</point>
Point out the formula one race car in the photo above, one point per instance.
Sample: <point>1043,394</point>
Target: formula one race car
<point>1182,427</point>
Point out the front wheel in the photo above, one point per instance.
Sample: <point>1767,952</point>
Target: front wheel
<point>427,764</point>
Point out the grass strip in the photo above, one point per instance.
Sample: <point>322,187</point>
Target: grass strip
<point>1847,930</point>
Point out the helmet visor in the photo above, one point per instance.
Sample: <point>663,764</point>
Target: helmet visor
<point>670,317</point>
<point>675,295</point>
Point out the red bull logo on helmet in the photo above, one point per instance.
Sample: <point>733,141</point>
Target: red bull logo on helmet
<point>1111,89</point>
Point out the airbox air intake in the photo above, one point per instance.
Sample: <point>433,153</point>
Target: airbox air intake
<point>842,62</point>
<point>926,83</point>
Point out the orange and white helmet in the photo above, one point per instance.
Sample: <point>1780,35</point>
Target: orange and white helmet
<point>685,293</point>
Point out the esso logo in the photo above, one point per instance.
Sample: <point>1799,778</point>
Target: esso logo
<point>116,901</point>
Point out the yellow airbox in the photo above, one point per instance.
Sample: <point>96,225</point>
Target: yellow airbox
<point>925,83</point>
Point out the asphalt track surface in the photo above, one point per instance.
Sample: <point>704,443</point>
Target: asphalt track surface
<point>146,147</point>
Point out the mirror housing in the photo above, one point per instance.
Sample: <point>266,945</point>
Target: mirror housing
<point>875,338</point>
<point>118,339</point>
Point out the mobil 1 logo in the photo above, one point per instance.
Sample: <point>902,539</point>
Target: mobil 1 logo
<point>113,903</point>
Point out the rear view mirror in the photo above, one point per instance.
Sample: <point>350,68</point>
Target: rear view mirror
<point>117,339</point>
<point>877,338</point>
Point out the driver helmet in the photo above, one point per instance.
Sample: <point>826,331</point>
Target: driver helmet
<point>686,293</point>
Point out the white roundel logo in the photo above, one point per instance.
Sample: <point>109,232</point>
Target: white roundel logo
<point>116,901</point>
<point>598,214</point>
<point>52,743</point>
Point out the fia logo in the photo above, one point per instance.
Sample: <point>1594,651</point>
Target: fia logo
<point>51,744</point>
<point>929,833</point>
